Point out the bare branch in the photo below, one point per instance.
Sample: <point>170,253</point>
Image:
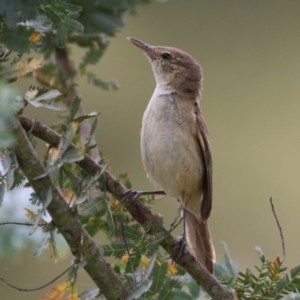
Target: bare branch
<point>279,228</point>
<point>20,223</point>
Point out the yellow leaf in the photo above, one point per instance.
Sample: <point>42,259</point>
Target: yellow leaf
<point>52,250</point>
<point>35,37</point>
<point>21,68</point>
<point>145,261</point>
<point>30,214</point>
<point>54,154</point>
<point>69,196</point>
<point>114,204</point>
<point>125,257</point>
<point>172,268</point>
<point>57,292</point>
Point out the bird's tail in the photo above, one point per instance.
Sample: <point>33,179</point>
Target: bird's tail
<point>200,241</point>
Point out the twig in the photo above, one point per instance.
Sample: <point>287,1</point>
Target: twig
<point>18,223</point>
<point>38,288</point>
<point>279,228</point>
<point>175,223</point>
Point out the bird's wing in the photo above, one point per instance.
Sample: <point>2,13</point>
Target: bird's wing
<point>206,152</point>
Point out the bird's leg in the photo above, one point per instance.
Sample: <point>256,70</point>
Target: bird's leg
<point>136,194</point>
<point>182,240</point>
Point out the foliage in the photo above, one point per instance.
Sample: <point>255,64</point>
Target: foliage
<point>272,281</point>
<point>45,28</point>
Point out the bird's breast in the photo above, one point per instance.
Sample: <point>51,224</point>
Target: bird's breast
<point>170,150</point>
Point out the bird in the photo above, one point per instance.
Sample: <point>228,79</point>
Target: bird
<point>175,146</point>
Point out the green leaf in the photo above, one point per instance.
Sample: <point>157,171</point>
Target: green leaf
<point>52,15</point>
<point>92,114</point>
<point>116,249</point>
<point>93,179</point>
<point>18,10</point>
<point>2,191</point>
<point>75,104</point>
<point>152,243</point>
<point>68,8</point>
<point>129,232</point>
<point>133,261</point>
<point>167,292</point>
<point>16,39</point>
<point>194,288</point>
<point>94,19</point>
<point>73,25</point>
<point>92,207</point>
<point>93,129</point>
<point>140,290</point>
<point>72,155</point>
<point>106,85</point>
<point>65,140</point>
<point>71,176</point>
<point>159,276</point>
<point>150,267</point>
<point>93,41</point>
<point>61,36</point>
<point>7,101</point>
<point>93,55</point>
<point>110,219</point>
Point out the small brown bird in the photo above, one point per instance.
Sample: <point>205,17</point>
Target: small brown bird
<point>175,145</point>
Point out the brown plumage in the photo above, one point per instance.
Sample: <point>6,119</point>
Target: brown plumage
<point>175,145</point>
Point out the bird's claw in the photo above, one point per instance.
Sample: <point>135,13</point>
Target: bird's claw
<point>130,194</point>
<point>182,248</point>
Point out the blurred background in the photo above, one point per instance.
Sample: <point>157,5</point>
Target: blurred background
<point>249,51</point>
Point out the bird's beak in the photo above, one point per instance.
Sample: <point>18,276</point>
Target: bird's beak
<point>145,47</point>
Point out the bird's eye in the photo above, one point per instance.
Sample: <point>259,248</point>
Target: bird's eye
<point>166,55</point>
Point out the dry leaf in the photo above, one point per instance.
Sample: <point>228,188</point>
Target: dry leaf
<point>57,292</point>
<point>21,68</point>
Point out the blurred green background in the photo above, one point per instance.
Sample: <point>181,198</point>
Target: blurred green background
<point>249,51</point>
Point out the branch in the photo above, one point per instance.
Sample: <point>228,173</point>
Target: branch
<point>279,228</point>
<point>79,241</point>
<point>140,213</point>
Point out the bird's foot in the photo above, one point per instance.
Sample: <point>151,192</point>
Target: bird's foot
<point>134,195</point>
<point>130,194</point>
<point>182,242</point>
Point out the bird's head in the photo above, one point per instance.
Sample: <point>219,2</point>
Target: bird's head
<point>173,68</point>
